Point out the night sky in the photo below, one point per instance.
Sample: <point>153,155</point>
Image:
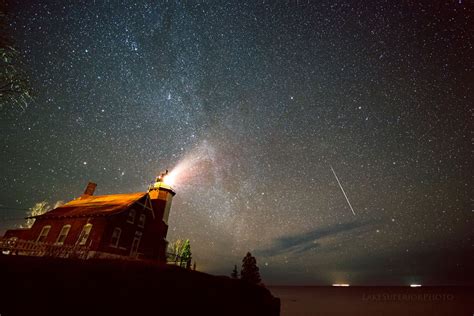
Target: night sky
<point>251,103</point>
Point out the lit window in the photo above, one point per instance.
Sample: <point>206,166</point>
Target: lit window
<point>141,220</point>
<point>115,237</point>
<point>63,234</point>
<point>131,216</point>
<point>44,233</point>
<point>86,231</point>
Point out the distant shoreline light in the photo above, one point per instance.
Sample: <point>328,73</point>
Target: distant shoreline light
<point>415,285</point>
<point>341,284</point>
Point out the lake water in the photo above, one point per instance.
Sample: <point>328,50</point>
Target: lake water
<point>384,301</point>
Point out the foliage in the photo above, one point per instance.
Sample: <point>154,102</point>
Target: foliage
<point>250,271</point>
<point>38,209</point>
<point>14,85</point>
<point>174,249</point>
<point>186,255</point>
<point>181,250</point>
<point>235,273</point>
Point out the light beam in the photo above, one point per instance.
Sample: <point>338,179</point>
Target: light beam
<point>192,166</point>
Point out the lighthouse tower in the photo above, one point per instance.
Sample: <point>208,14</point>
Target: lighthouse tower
<point>161,195</point>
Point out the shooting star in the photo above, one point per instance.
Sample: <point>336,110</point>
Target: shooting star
<point>343,192</point>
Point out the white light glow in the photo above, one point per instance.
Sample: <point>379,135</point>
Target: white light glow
<point>415,285</point>
<point>341,284</point>
<point>191,166</point>
<point>169,179</point>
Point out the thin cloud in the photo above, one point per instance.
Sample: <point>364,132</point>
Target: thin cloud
<point>300,243</point>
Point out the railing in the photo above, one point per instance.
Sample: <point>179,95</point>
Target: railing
<point>12,246</point>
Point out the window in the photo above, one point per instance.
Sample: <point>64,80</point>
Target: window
<point>44,233</point>
<point>141,220</point>
<point>135,244</point>
<point>86,231</point>
<point>166,214</point>
<point>63,234</point>
<point>115,237</point>
<point>131,217</point>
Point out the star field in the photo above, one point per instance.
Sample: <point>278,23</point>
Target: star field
<point>254,101</point>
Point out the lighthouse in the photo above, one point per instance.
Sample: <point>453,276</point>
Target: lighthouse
<point>120,225</point>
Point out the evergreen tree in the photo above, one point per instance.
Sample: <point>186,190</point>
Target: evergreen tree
<point>250,271</point>
<point>186,255</point>
<point>235,273</point>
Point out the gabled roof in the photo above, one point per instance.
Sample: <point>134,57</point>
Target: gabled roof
<point>98,205</point>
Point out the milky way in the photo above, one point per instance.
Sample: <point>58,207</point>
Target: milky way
<point>254,101</point>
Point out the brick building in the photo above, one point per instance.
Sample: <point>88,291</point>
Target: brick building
<point>115,225</point>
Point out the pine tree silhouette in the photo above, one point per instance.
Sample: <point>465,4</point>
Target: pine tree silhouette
<point>250,271</point>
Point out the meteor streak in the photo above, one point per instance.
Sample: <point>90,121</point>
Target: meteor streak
<point>343,192</point>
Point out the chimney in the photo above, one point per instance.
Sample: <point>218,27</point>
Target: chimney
<point>89,191</point>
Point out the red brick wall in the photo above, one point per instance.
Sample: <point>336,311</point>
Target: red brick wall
<point>152,243</point>
<point>118,220</point>
<point>20,233</point>
<point>153,234</point>
<point>98,224</point>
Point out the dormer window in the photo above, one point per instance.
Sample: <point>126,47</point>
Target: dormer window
<point>131,217</point>
<point>141,220</point>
